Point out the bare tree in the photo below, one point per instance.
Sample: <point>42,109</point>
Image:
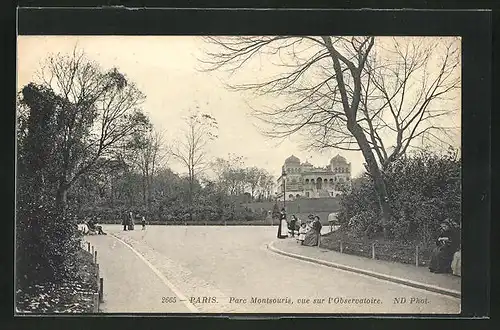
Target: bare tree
<point>97,112</point>
<point>148,154</point>
<point>253,177</point>
<point>339,94</point>
<point>191,150</point>
<point>230,174</point>
<point>266,185</point>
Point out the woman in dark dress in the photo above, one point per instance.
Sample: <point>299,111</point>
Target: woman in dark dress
<point>312,236</point>
<point>447,244</point>
<point>283,225</point>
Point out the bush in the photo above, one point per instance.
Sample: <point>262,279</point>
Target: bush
<point>47,242</point>
<point>424,189</point>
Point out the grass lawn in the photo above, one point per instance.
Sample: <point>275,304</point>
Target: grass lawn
<point>388,250</point>
<point>70,297</point>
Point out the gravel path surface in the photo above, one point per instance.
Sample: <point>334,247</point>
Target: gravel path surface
<point>130,286</point>
<point>221,269</point>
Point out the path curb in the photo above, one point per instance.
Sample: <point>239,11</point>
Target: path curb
<point>398,280</point>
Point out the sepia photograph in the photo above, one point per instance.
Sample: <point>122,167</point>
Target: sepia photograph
<point>238,174</point>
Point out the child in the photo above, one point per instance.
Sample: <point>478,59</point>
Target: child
<point>143,221</point>
<point>302,233</point>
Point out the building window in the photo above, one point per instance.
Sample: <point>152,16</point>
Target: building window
<point>298,195</point>
<point>290,196</point>
<point>319,182</point>
<point>307,181</point>
<point>307,193</point>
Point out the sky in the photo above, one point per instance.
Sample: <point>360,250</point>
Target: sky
<point>164,68</point>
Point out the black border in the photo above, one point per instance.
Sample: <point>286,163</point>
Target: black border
<point>473,26</point>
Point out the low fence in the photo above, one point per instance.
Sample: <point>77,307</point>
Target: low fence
<point>266,222</point>
<point>98,296</point>
<point>417,255</point>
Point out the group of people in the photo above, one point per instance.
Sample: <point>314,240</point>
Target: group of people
<point>308,232</point>
<point>445,258</point>
<point>129,220</point>
<point>91,227</point>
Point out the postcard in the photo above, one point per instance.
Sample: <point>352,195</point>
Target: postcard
<point>238,174</point>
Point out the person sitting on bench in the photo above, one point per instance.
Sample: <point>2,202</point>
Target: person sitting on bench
<point>95,227</point>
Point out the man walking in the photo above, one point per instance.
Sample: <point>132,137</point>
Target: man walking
<point>125,221</point>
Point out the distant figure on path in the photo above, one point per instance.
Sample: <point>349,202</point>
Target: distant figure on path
<point>312,236</point>
<point>283,225</point>
<point>143,222</point>
<point>447,244</point>
<point>125,220</point>
<point>131,221</point>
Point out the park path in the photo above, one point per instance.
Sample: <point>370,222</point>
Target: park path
<point>130,286</point>
<point>407,272</point>
<point>232,265</point>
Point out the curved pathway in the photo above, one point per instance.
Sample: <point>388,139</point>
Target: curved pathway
<point>220,269</point>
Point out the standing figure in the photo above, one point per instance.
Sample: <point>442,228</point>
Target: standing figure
<point>292,226</point>
<point>143,222</point>
<point>283,225</point>
<point>131,221</point>
<point>125,218</point>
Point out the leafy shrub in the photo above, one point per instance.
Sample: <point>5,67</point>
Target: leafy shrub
<point>424,189</point>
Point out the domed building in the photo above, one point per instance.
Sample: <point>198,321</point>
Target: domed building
<point>303,180</point>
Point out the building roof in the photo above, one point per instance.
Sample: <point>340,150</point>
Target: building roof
<point>292,159</point>
<point>338,159</point>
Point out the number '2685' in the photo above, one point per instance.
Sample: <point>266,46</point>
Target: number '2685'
<point>168,300</point>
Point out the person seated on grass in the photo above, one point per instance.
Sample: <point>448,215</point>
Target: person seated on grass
<point>302,232</point>
<point>447,244</point>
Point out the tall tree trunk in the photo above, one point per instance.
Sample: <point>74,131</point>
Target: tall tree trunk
<point>375,173</point>
<point>61,197</point>
<point>144,197</point>
<point>190,197</point>
<point>149,192</point>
